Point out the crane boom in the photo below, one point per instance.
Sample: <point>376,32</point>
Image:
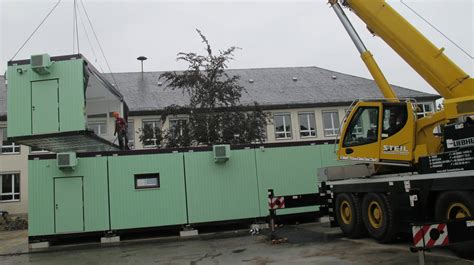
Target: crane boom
<point>415,138</point>
<point>387,138</point>
<point>422,55</point>
<point>366,56</point>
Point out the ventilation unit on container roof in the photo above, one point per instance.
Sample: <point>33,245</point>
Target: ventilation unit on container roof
<point>40,64</point>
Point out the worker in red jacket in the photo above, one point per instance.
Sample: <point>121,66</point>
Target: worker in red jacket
<point>121,131</point>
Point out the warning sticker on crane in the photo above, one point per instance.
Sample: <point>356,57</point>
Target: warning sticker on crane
<point>430,235</point>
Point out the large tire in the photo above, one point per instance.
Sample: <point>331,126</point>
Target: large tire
<point>452,205</point>
<point>349,215</point>
<point>380,217</point>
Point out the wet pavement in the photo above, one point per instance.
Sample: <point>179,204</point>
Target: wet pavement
<point>306,245</point>
<point>13,242</point>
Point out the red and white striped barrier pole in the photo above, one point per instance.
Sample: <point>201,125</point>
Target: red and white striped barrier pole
<point>428,236</point>
<point>276,202</point>
<point>431,235</point>
<point>272,211</point>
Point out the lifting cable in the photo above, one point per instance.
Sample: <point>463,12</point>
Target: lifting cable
<point>98,42</point>
<point>88,40</point>
<point>439,31</point>
<point>76,14</point>
<point>31,35</point>
<point>75,30</point>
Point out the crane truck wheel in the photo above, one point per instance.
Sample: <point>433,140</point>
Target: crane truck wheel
<point>455,205</point>
<point>379,217</point>
<point>349,215</point>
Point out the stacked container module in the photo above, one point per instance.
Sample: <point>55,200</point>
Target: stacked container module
<point>51,99</point>
<point>92,187</point>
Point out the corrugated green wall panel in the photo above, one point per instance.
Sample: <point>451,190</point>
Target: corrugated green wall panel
<point>232,190</point>
<point>41,194</point>
<point>132,208</point>
<point>71,88</point>
<point>40,198</point>
<point>287,170</point>
<point>221,191</point>
<point>72,110</point>
<point>328,155</point>
<point>19,113</point>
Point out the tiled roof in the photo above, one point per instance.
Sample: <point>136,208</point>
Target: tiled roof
<point>271,87</point>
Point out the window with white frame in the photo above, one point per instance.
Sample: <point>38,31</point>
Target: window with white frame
<point>99,127</point>
<point>177,126</point>
<point>131,134</point>
<point>307,124</point>
<point>330,123</point>
<point>7,147</point>
<point>151,131</point>
<point>282,125</point>
<point>9,187</point>
<point>423,109</point>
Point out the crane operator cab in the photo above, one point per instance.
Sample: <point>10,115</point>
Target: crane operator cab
<point>379,132</point>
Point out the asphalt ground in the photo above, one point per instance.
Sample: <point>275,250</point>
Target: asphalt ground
<point>312,243</point>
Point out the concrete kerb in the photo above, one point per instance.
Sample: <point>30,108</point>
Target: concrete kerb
<point>38,245</point>
<point>189,233</point>
<point>109,239</point>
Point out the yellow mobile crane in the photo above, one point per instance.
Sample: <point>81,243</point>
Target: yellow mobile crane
<point>391,133</point>
<point>430,176</point>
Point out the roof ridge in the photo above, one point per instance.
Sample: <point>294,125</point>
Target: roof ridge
<point>231,69</point>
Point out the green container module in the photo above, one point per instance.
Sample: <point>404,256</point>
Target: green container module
<point>147,190</point>
<point>72,193</point>
<point>67,200</point>
<point>51,98</point>
<point>219,191</point>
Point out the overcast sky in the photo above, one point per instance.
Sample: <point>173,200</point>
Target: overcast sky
<point>270,33</point>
